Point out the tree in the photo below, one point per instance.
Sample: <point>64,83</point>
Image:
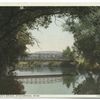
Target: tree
<point>68,53</point>
<point>91,85</point>
<point>86,34</point>
<point>83,22</point>
<point>14,22</point>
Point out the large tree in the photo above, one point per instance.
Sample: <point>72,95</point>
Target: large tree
<point>85,28</point>
<point>83,22</point>
<point>14,23</point>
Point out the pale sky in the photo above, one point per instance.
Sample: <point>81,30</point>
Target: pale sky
<point>51,39</point>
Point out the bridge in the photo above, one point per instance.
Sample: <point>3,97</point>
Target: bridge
<point>43,60</point>
<point>44,57</point>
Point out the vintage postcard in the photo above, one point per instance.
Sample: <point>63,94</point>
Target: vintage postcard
<point>50,50</point>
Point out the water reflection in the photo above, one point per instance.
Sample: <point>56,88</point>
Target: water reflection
<point>91,85</point>
<point>72,80</point>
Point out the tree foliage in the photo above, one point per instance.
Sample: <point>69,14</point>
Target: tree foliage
<point>83,22</point>
<point>14,23</point>
<point>85,28</point>
<point>91,85</point>
<point>68,53</point>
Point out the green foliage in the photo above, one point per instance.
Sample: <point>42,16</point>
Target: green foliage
<point>14,35</point>
<point>9,85</point>
<point>68,53</point>
<point>90,85</point>
<point>15,22</point>
<point>86,30</point>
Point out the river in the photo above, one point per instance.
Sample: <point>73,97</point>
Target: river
<point>59,80</point>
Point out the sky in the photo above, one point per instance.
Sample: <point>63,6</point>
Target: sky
<point>51,39</point>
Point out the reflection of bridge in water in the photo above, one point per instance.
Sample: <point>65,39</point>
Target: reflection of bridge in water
<point>40,79</point>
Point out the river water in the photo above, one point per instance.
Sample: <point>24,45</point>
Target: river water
<point>59,80</point>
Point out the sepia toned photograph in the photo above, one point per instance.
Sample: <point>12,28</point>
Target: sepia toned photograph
<point>50,50</point>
